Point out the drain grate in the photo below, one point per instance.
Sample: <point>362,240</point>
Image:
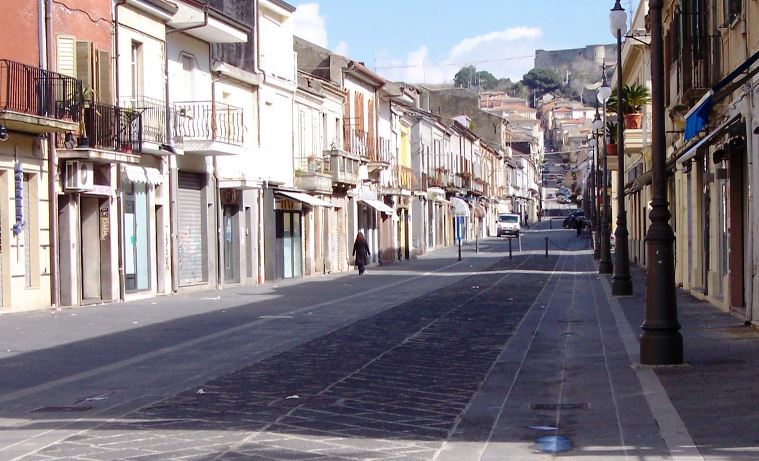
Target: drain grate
<point>61,409</point>
<point>559,406</point>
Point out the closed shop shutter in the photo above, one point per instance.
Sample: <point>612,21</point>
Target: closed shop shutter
<point>190,237</point>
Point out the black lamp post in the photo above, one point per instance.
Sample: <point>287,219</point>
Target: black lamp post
<point>621,283</point>
<point>660,341</point>
<point>605,265</point>
<point>598,126</point>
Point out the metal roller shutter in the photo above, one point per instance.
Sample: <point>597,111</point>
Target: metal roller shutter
<point>190,237</point>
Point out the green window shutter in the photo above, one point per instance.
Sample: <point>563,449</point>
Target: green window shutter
<point>104,87</point>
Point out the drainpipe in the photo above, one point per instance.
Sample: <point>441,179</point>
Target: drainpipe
<point>752,179</point>
<point>264,184</point>
<point>52,168</point>
<point>217,190</point>
<point>119,193</point>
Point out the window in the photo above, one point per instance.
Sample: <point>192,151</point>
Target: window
<point>731,10</point>
<point>136,70</point>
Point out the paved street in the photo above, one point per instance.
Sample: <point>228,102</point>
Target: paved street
<point>431,359</point>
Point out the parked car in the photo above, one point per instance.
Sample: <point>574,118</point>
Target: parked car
<point>571,220</point>
<point>508,224</point>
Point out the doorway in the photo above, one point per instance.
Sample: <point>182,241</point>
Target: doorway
<point>736,243</point>
<point>231,265</point>
<point>136,242</point>
<point>289,240</point>
<point>94,215</point>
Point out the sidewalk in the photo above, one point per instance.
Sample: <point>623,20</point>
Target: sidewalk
<point>569,382</point>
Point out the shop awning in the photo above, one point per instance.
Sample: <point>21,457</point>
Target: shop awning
<point>305,198</point>
<point>141,174</point>
<point>379,206</point>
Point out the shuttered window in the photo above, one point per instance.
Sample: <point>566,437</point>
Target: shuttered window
<point>190,236</point>
<point>66,55</point>
<point>84,66</point>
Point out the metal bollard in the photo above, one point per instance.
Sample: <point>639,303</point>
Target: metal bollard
<point>550,223</point>
<point>546,247</point>
<point>476,243</point>
<point>459,249</point>
<point>510,248</point>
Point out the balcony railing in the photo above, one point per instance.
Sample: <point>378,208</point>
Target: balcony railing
<point>208,121</point>
<point>34,91</point>
<point>154,120</point>
<point>107,127</point>
<point>358,142</point>
<point>312,164</point>
<point>404,178</point>
<point>384,152</point>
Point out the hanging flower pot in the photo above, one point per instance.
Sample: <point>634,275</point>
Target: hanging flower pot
<point>611,149</point>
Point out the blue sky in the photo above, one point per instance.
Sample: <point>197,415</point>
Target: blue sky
<point>425,40</point>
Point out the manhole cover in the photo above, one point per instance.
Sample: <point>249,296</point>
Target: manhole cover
<point>61,409</point>
<point>558,406</point>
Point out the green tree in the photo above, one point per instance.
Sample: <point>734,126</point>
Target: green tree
<point>542,81</point>
<point>485,80</point>
<point>464,78</point>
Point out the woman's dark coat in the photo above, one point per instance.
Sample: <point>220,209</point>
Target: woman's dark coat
<point>361,251</point>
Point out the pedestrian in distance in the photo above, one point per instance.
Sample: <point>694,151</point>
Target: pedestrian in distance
<point>361,252</point>
<point>579,224</point>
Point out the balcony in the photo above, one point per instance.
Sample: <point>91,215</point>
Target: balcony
<point>383,156</point>
<point>314,173</point>
<point>343,167</point>
<point>358,142</point>
<point>404,178</point>
<point>154,122</point>
<point>106,133</point>
<point>439,178</point>
<point>38,101</point>
<point>208,128</point>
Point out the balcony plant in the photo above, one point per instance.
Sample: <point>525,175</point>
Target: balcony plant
<point>611,133</point>
<point>634,97</point>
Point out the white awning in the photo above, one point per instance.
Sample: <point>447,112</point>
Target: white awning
<point>379,206</point>
<point>460,208</point>
<point>305,198</point>
<point>141,174</point>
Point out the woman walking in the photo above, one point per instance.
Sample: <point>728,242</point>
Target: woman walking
<point>361,252</point>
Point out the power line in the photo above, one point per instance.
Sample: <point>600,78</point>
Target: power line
<point>448,64</point>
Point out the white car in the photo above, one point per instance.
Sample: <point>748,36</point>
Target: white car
<point>508,224</point>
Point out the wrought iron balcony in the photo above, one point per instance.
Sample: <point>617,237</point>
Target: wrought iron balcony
<point>384,154</point>
<point>106,127</point>
<point>404,178</point>
<point>209,128</point>
<point>313,173</point>
<point>37,100</point>
<point>154,122</point>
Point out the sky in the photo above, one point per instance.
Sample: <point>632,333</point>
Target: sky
<point>426,41</point>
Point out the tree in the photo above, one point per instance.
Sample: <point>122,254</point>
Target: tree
<point>485,80</point>
<point>542,81</point>
<point>464,78</point>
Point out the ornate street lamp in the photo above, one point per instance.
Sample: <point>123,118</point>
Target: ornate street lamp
<point>621,283</point>
<point>604,265</point>
<point>660,341</point>
<point>598,126</point>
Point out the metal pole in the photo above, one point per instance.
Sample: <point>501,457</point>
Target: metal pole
<point>509,247</point>
<point>596,205</point>
<point>660,341</point>
<point>546,247</point>
<point>621,283</point>
<point>604,265</point>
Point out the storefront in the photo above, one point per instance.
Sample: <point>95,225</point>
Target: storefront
<point>191,239</point>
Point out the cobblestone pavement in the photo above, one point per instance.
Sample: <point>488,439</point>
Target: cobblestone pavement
<point>390,386</point>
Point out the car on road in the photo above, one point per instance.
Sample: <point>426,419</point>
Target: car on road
<point>571,220</point>
<point>508,224</point>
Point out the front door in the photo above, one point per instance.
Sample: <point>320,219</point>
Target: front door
<point>231,273</point>
<point>136,248</point>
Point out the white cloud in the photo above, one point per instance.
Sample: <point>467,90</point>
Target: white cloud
<point>341,48</point>
<point>505,53</point>
<point>309,24</point>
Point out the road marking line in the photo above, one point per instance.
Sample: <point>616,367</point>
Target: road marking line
<point>671,426</point>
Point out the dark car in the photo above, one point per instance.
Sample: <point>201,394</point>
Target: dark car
<point>569,221</point>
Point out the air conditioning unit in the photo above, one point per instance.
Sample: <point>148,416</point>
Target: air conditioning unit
<point>79,176</point>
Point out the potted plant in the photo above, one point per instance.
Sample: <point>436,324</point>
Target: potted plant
<point>85,103</point>
<point>611,132</point>
<point>634,97</point>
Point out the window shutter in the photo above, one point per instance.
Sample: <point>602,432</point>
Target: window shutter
<point>66,55</point>
<point>347,122</point>
<point>84,66</point>
<point>104,87</point>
